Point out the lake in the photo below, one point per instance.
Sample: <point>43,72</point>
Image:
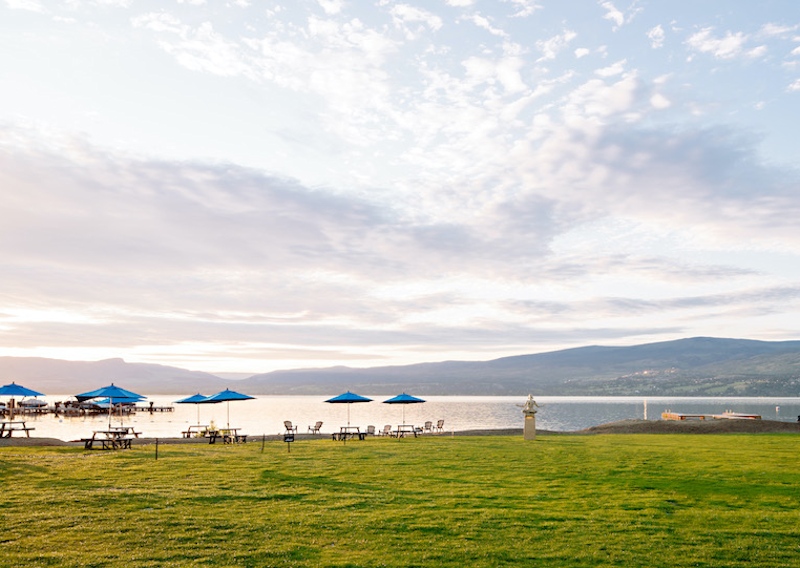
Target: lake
<point>265,414</point>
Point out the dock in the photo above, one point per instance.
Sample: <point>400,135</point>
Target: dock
<point>678,416</point>
<point>152,408</point>
<point>727,415</point>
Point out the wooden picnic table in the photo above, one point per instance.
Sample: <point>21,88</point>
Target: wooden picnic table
<point>195,431</point>
<point>125,431</point>
<point>349,433</point>
<point>228,435</point>
<point>404,429</point>
<point>7,428</point>
<point>115,439</point>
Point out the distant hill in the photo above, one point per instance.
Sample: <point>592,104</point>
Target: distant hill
<point>54,376</point>
<point>700,366</point>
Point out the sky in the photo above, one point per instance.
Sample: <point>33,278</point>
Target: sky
<point>244,186</point>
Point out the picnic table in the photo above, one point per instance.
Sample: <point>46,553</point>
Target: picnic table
<point>7,428</point>
<point>125,431</point>
<point>228,435</point>
<point>196,431</point>
<point>349,433</point>
<point>405,429</point>
<point>112,439</point>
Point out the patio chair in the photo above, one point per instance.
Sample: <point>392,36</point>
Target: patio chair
<point>440,426</point>
<point>428,427</point>
<point>387,430</point>
<point>289,428</point>
<point>370,430</point>
<point>315,428</point>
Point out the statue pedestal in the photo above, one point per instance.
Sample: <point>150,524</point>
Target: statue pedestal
<point>529,432</point>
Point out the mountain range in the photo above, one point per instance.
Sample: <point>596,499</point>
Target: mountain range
<point>700,366</point>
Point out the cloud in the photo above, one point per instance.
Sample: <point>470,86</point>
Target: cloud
<point>331,6</point>
<point>730,46</point>
<point>485,24</point>
<point>405,15</point>
<point>613,14</point>
<point>777,30</point>
<point>525,7</point>
<point>550,48</point>
<point>198,49</point>
<point>29,5</point>
<point>656,36</point>
<point>452,178</point>
<point>660,102</point>
<point>795,86</point>
<point>614,69</point>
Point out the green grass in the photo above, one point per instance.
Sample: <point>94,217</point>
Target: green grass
<point>619,500</point>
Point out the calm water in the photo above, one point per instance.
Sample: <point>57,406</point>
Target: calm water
<point>265,415</point>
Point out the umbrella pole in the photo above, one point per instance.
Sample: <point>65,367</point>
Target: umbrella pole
<point>229,414</point>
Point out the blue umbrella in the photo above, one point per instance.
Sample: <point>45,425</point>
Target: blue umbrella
<point>111,391</point>
<point>14,389</point>
<point>348,398</point>
<point>195,399</point>
<point>115,394</point>
<point>403,399</point>
<point>115,400</point>
<point>226,396</point>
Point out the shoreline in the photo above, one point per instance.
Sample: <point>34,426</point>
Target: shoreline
<point>629,426</point>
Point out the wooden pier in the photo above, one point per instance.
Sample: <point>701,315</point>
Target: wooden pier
<point>152,408</point>
<point>727,415</point>
<point>678,416</point>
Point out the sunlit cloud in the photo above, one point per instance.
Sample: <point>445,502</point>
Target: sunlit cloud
<point>333,182</point>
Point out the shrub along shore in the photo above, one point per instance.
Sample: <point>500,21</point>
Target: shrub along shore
<point>465,500</point>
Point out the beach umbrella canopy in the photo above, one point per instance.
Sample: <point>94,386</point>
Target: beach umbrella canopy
<point>226,396</point>
<point>348,398</point>
<point>110,391</point>
<point>195,399</point>
<point>115,394</point>
<point>14,389</point>
<point>403,399</point>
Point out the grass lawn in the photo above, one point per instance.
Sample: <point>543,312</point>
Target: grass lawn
<point>563,500</point>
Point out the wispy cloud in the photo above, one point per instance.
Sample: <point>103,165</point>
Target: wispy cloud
<point>729,46</point>
<point>392,181</point>
<point>551,47</point>
<point>613,14</point>
<point>656,36</point>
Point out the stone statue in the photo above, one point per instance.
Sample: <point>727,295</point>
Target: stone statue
<point>530,406</point>
<point>529,410</point>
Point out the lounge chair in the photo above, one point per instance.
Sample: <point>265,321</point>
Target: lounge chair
<point>289,428</point>
<point>428,427</point>
<point>440,426</point>
<point>387,430</point>
<point>315,428</point>
<point>370,430</point>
